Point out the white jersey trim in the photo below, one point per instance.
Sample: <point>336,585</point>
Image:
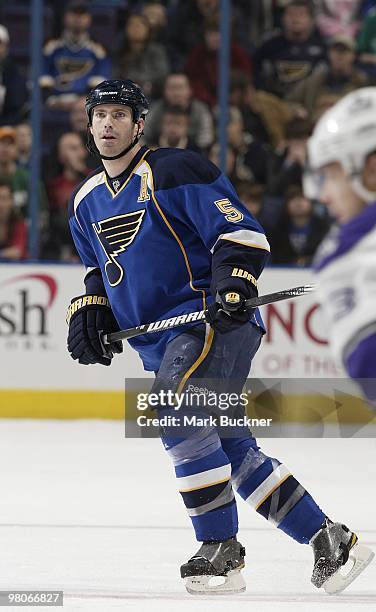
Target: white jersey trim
<point>87,187</point>
<point>246,237</point>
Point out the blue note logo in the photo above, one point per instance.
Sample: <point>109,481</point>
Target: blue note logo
<point>115,235</point>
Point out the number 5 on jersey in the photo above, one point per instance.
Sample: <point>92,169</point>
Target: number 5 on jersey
<point>231,213</point>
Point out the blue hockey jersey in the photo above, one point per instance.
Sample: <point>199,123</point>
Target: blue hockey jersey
<point>174,223</point>
<point>72,68</point>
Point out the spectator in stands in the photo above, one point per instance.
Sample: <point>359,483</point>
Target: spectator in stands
<point>334,17</point>
<point>78,124</point>
<point>78,116</point>
<point>289,56</point>
<point>251,194</point>
<point>13,93</point>
<point>178,92</point>
<point>252,157</point>
<point>367,43</point>
<point>202,64</point>
<point>24,140</point>
<point>156,14</point>
<point>265,208</point>
<point>72,159</point>
<point>186,27</point>
<point>286,167</point>
<point>17,177</point>
<point>265,116</point>
<point>140,59</point>
<point>13,232</point>
<point>328,83</point>
<point>175,129</point>
<point>73,63</point>
<point>214,156</point>
<point>299,231</point>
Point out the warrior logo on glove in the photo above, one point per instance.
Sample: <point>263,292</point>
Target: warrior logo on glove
<point>115,235</point>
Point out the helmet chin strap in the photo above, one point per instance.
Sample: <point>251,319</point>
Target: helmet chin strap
<point>361,191</point>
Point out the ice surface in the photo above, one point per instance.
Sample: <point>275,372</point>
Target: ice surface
<point>86,511</point>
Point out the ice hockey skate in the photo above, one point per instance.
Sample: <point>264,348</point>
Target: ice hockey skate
<point>338,557</point>
<point>215,568</point>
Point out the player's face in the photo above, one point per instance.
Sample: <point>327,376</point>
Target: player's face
<point>337,193</point>
<point>113,128</point>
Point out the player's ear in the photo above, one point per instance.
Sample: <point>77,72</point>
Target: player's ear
<point>140,126</point>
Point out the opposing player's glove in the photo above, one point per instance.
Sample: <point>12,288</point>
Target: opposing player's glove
<point>88,317</point>
<point>228,311</point>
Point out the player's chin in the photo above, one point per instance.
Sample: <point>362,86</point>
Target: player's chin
<point>109,147</point>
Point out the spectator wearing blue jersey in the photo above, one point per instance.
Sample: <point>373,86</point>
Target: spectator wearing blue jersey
<point>73,63</point>
<point>288,56</point>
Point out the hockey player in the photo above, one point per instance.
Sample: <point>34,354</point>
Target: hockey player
<point>342,174</point>
<point>160,233</point>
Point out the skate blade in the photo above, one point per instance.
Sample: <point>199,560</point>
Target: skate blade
<point>360,556</point>
<point>233,582</point>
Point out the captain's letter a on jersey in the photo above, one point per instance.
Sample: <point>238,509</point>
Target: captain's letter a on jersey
<point>115,235</point>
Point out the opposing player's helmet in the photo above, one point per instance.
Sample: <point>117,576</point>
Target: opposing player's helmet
<point>126,93</point>
<point>346,133</point>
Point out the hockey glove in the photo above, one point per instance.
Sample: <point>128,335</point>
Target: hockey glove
<point>88,317</point>
<point>228,311</point>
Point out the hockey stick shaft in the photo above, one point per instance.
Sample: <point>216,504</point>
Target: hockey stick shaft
<point>199,315</point>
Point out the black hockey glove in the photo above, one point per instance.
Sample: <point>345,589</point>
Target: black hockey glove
<point>228,311</point>
<point>88,317</point>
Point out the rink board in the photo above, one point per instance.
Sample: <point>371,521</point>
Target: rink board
<point>38,379</point>
<point>309,409</point>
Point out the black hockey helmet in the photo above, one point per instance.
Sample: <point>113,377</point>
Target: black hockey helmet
<point>117,91</point>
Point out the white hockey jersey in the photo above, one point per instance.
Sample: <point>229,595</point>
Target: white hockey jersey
<point>346,268</point>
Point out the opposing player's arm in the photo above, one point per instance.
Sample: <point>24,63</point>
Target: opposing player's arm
<point>347,292</point>
<point>359,361</point>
